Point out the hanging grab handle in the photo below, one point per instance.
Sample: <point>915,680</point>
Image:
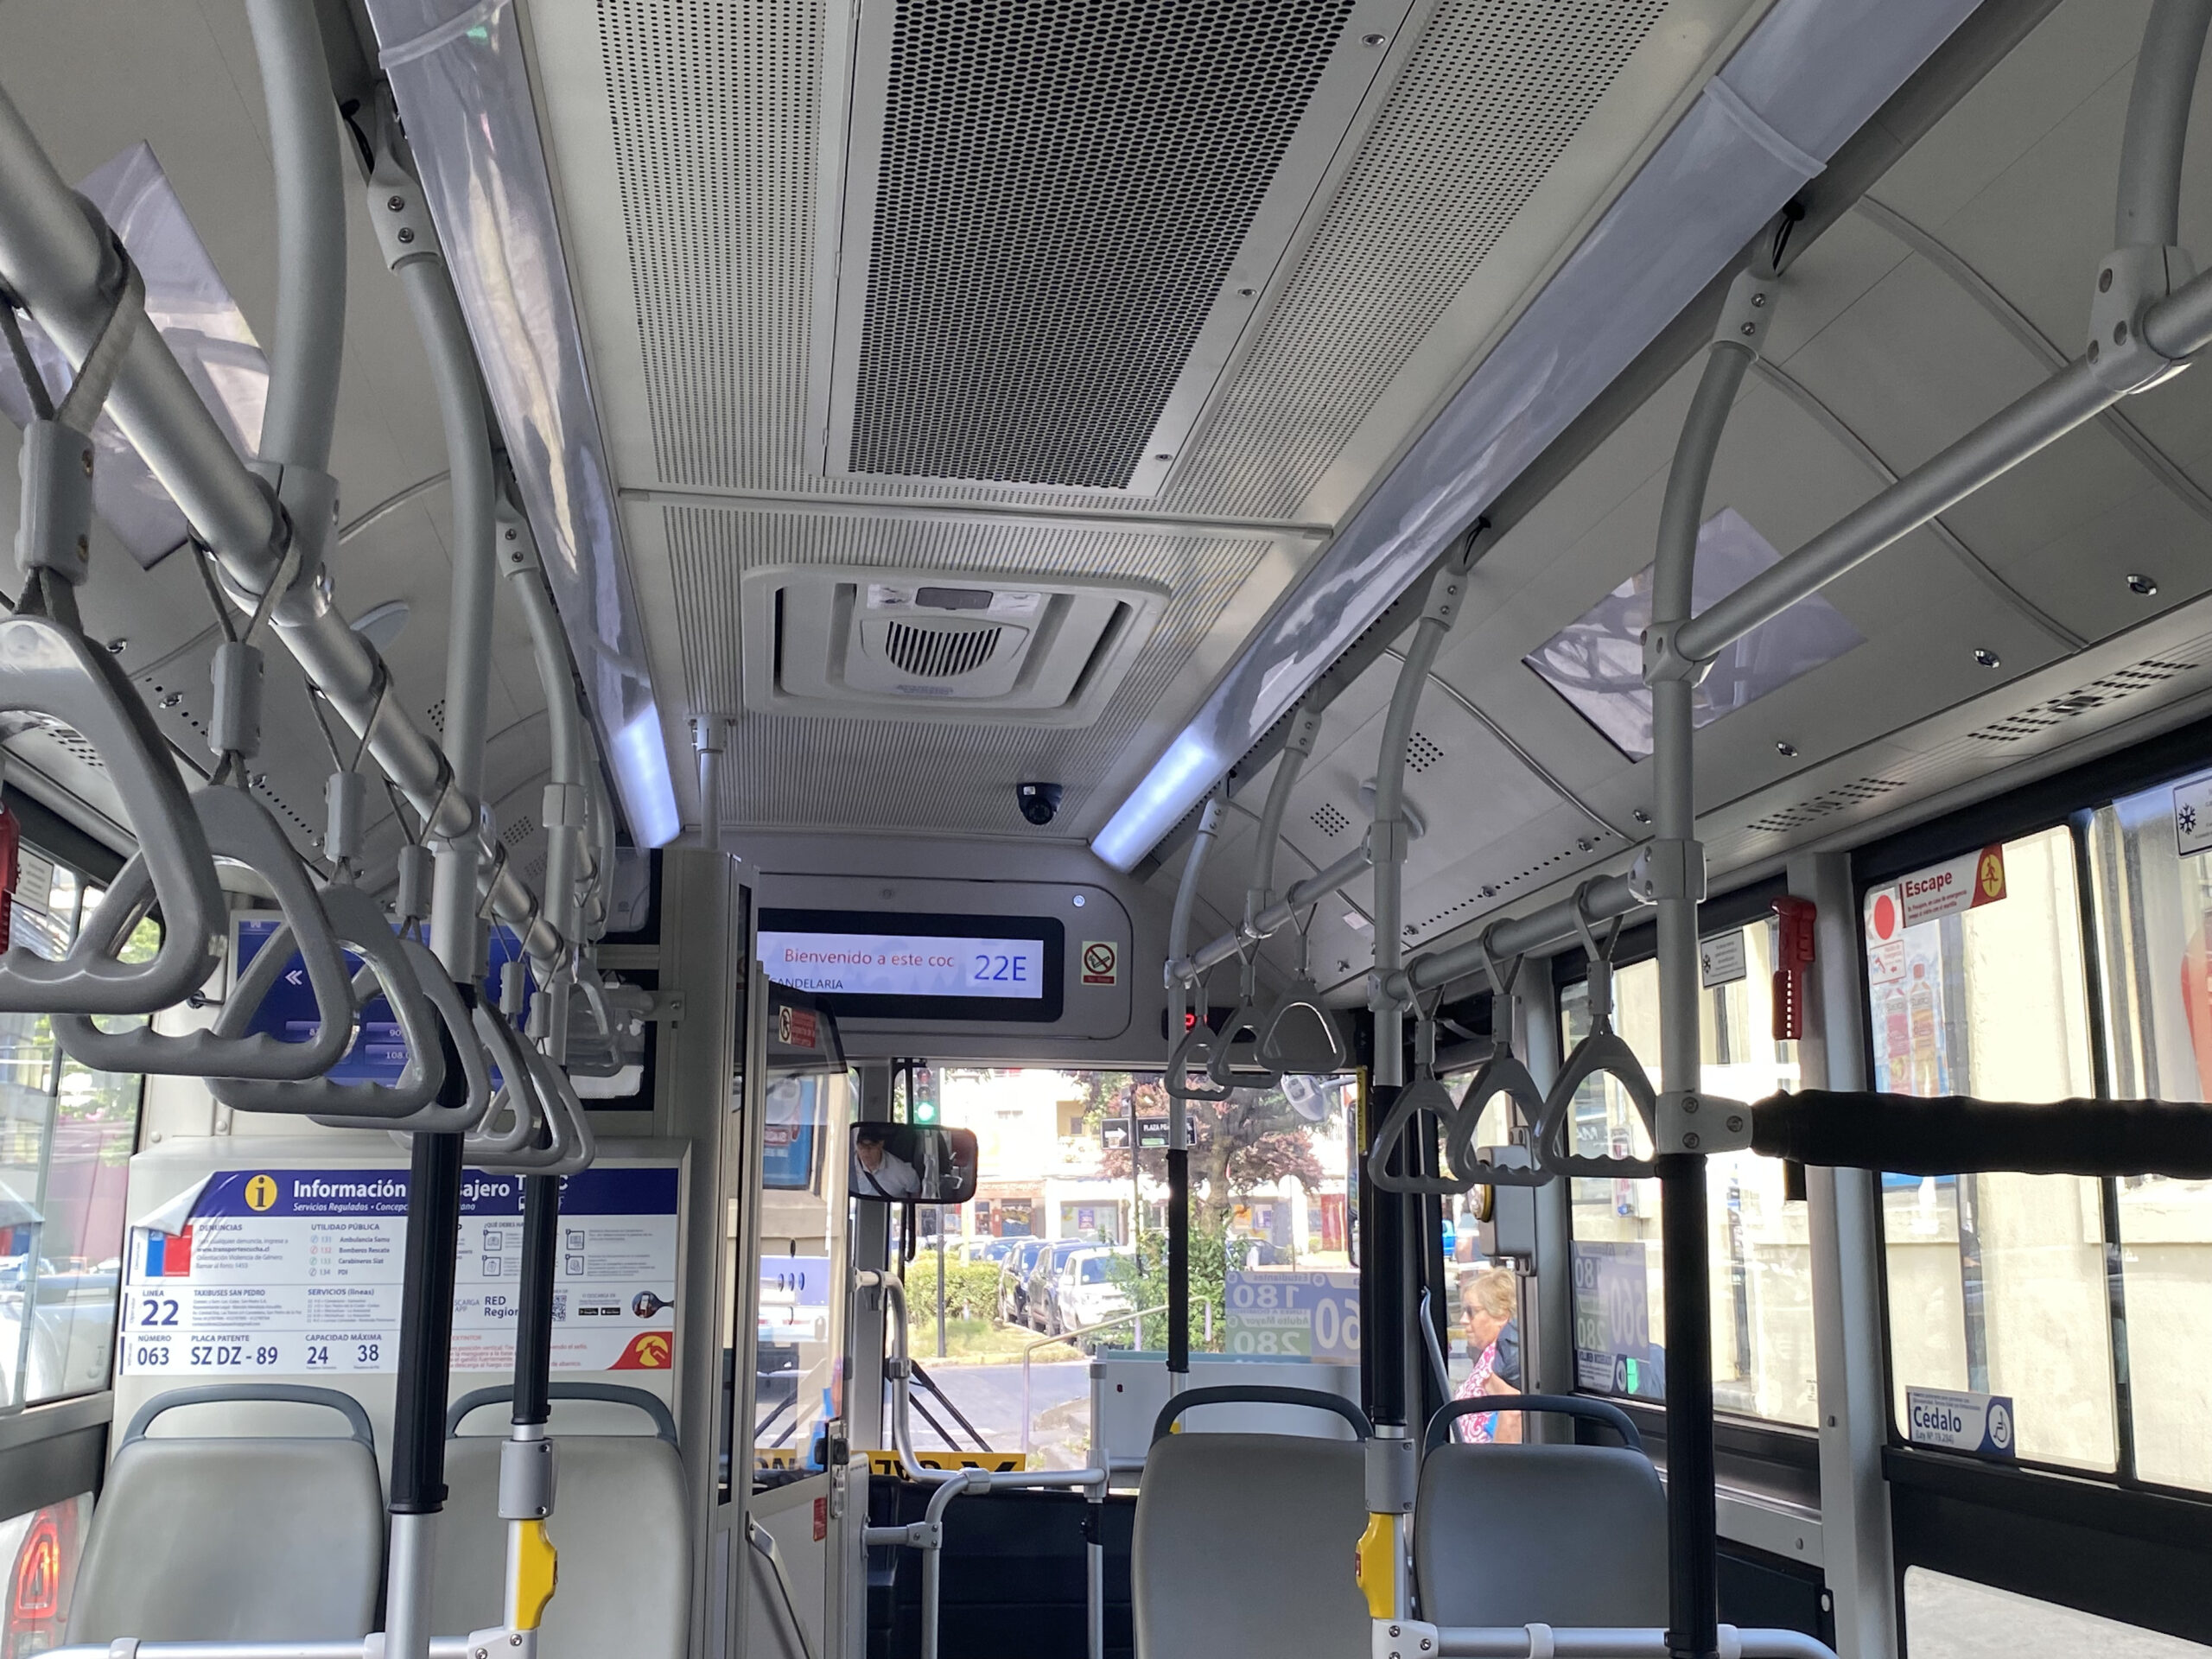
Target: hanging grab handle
<point>53,672</point>
<point>1423,1094</point>
<point>239,829</point>
<point>360,921</point>
<point>493,1144</point>
<point>1299,1036</point>
<point>1601,1053</point>
<point>453,1012</point>
<point>1193,1053</point>
<point>1501,1075</point>
<point>1246,1018</point>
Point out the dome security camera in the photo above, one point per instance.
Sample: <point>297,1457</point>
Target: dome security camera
<point>1040,803</point>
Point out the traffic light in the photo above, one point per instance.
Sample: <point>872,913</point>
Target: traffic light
<point>922,1096</point>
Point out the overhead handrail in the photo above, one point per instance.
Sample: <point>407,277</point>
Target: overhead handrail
<point>1260,1394</point>
<point>238,828</point>
<point>1501,1074</point>
<point>358,920</point>
<point>1602,1052</point>
<point>1567,1405</point>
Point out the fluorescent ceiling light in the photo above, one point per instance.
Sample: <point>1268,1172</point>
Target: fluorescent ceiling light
<point>187,303</point>
<point>463,89</point>
<point>1811,74</point>
<point>1596,662</point>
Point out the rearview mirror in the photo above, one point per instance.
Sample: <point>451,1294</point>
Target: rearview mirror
<point>895,1163</point>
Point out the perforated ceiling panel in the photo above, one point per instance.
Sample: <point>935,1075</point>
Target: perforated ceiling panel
<point>1496,93</point>
<point>786,771</point>
<point>1061,194</point>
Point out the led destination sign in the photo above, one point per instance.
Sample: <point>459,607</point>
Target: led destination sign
<point>905,964</point>
<point>915,966</point>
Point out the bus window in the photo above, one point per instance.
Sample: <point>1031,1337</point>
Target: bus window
<point>67,1134</point>
<point>801,1305</point>
<point>2152,858</point>
<point>1763,1350</point>
<point>1956,1618</point>
<point>1996,1283</point>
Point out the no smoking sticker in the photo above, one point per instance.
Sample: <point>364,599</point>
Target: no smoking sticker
<point>1102,962</point>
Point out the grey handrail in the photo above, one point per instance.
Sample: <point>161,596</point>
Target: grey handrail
<point>216,1394</point>
<point>453,1011</point>
<point>238,828</point>
<point>1567,1405</point>
<point>488,1147</point>
<point>1260,1394</point>
<point>612,1393</point>
<point>1501,1074</point>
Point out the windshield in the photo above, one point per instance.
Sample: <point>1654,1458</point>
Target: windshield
<point>1094,1271</point>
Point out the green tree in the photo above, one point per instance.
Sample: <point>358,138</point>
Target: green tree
<point>1144,1281</point>
<point>1237,1145</point>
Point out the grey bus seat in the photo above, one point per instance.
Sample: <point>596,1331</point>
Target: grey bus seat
<point>250,1538</point>
<point>620,1522</point>
<point>1245,1546</point>
<point>1489,1521</point>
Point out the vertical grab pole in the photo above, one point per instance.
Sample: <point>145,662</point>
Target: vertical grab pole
<point>1678,865</point>
<point>1179,1128</point>
<point>434,1190</point>
<point>1390,1253</point>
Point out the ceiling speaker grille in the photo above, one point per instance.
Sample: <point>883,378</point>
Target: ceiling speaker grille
<point>1421,752</point>
<point>1331,819</point>
<point>1492,97</point>
<point>1797,816</point>
<point>1062,190</point>
<point>2040,717</point>
<point>939,653</point>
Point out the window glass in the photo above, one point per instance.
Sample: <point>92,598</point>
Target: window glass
<point>1064,1249</point>
<point>801,1319</point>
<point>1956,1618</point>
<point>1996,1283</point>
<point>1763,1355</point>
<point>2153,859</point>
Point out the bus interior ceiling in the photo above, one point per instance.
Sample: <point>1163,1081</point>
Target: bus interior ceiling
<point>980,649</point>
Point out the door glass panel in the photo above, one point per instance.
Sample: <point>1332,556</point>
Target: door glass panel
<point>1956,1618</point>
<point>1996,1283</point>
<point>1763,1350</point>
<point>2153,872</point>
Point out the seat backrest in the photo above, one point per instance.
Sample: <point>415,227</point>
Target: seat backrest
<point>1246,1547</point>
<point>622,1525</point>
<point>234,1537</point>
<point>1550,1535</point>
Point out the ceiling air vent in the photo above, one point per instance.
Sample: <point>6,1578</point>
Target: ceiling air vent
<point>1058,220</point>
<point>821,640</point>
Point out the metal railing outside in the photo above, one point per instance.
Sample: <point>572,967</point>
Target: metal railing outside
<point>1136,1316</point>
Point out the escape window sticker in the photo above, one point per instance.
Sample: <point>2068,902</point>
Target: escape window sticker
<point>289,1271</point>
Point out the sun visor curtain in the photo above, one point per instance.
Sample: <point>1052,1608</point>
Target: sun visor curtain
<point>1953,1134</point>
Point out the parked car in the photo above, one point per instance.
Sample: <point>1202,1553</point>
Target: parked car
<point>1014,1280</point>
<point>1086,1291</point>
<point>1037,1300</point>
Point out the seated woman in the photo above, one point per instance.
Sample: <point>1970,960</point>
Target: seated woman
<point>1488,1299</point>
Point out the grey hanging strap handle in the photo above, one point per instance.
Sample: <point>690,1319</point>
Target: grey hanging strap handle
<point>1503,1074</point>
<point>573,1139</point>
<point>53,672</point>
<point>528,1075</point>
<point>1601,1053</point>
<point>1423,1094</point>
<point>1246,1018</point>
<point>1300,1036</point>
<point>1193,1053</point>
<point>239,829</point>
<point>360,921</point>
<point>453,1012</point>
<point>492,1146</point>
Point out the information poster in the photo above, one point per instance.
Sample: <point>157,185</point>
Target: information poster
<point>1614,1350</point>
<point>290,1272</point>
<point>1281,1313</point>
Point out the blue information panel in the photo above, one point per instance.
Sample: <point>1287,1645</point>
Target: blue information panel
<point>378,1053</point>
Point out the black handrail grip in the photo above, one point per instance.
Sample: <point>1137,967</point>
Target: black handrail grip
<point>214,1393</point>
<point>1568,1405</point>
<point>612,1393</point>
<point>1260,1394</point>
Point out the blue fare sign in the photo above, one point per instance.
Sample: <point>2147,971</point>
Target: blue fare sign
<point>1961,1422</point>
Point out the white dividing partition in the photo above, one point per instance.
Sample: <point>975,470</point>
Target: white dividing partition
<point>1133,1389</point>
